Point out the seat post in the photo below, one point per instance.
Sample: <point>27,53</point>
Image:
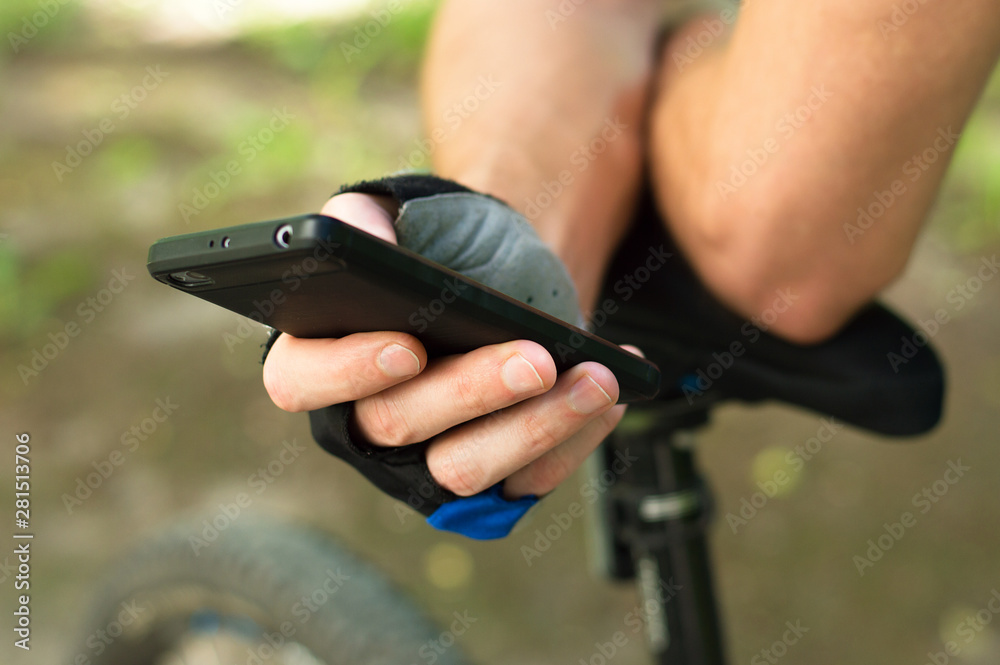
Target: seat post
<point>655,518</point>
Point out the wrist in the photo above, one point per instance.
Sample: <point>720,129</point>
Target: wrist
<point>580,214</point>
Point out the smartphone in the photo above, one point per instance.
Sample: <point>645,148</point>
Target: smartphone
<point>314,276</point>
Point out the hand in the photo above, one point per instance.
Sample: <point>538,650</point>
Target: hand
<point>498,413</point>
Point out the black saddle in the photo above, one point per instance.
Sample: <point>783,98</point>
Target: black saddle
<point>708,354</point>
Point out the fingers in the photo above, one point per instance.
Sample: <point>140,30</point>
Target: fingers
<point>551,469</point>
<point>497,413</point>
<point>455,390</point>
<point>477,455</point>
<point>373,214</point>
<point>307,374</point>
<point>548,471</point>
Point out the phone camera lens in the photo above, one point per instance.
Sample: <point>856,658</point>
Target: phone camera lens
<point>283,236</point>
<point>190,278</point>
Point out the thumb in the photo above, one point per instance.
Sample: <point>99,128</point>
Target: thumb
<point>372,214</point>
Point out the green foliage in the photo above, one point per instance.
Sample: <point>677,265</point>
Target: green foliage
<point>31,294</point>
<point>127,159</point>
<point>32,24</point>
<point>9,291</point>
<point>299,48</point>
<point>970,203</point>
<point>287,155</point>
<point>254,154</point>
<point>352,49</point>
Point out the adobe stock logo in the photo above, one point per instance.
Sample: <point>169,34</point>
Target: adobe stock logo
<point>711,30</point>
<point>87,310</point>
<point>121,108</point>
<point>130,439</point>
<point>452,119</point>
<point>911,171</point>
<point>364,34</point>
<point>249,148</point>
<point>958,297</point>
<point>424,316</point>
<point>785,128</point>
<point>794,461</point>
<point>584,155</point>
<point>924,501</point>
<point>31,25</point>
<point>901,14</point>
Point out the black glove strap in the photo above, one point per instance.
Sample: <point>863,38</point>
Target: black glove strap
<point>400,472</point>
<point>405,188</point>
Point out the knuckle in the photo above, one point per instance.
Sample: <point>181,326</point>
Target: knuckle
<point>361,384</point>
<point>382,421</point>
<point>608,420</point>
<point>278,389</point>
<point>539,433</point>
<point>470,395</point>
<point>547,472</point>
<point>459,473</point>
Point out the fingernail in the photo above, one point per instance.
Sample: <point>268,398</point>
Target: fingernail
<point>587,396</point>
<point>398,361</point>
<point>519,375</point>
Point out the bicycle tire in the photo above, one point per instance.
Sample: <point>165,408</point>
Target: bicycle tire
<point>252,580</point>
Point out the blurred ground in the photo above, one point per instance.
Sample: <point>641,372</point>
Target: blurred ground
<point>143,117</point>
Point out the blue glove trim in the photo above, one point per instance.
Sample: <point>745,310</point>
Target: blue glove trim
<point>485,516</point>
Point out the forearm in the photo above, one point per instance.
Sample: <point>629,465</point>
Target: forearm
<point>558,133</point>
<point>761,199</point>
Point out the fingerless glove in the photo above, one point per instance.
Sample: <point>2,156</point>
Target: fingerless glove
<point>482,238</point>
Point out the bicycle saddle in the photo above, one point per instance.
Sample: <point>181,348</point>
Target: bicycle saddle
<point>877,373</point>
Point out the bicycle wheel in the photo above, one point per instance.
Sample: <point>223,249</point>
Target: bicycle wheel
<point>260,592</point>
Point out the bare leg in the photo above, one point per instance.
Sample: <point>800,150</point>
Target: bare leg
<point>770,149</point>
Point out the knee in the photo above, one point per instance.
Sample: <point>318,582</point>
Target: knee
<point>774,259</point>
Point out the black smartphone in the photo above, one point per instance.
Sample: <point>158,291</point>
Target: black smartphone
<point>314,276</point>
